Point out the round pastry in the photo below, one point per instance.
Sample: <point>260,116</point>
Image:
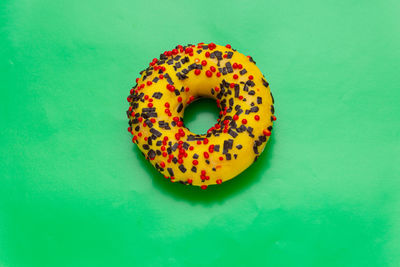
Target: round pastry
<point>176,79</point>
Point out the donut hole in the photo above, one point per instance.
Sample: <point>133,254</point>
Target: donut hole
<point>201,115</point>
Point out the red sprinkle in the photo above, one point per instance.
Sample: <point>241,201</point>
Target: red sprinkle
<point>235,76</point>
<point>205,141</point>
<point>273,118</point>
<point>221,158</point>
<point>166,104</point>
<point>235,65</point>
<point>251,77</point>
<point>219,181</point>
<point>204,63</point>
<point>179,99</point>
<point>266,133</point>
<point>228,46</point>
<point>244,121</point>
<point>206,155</point>
<point>232,85</point>
<point>150,105</point>
<point>235,117</point>
<point>208,73</point>
<point>257,118</point>
<point>207,54</point>
<point>195,162</point>
<point>204,187</point>
<point>218,74</point>
<point>149,83</point>
<point>190,181</point>
<point>197,71</point>
<point>212,68</point>
<point>162,164</point>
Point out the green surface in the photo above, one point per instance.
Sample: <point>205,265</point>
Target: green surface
<point>75,192</point>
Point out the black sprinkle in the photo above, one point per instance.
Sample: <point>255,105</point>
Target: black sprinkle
<point>155,132</point>
<point>170,171</point>
<point>182,168</point>
<point>194,169</point>
<point>175,146</point>
<point>243,71</point>
<point>239,147</point>
<point>229,67</point>
<point>180,107</point>
<point>233,133</point>
<point>259,100</point>
<point>152,154</point>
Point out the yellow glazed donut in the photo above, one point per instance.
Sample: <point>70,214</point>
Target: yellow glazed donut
<point>179,77</point>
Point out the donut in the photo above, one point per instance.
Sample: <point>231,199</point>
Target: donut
<point>177,78</point>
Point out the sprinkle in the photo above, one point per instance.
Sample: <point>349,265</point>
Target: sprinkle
<point>197,71</point>
<point>204,63</point>
<point>251,77</point>
<point>228,46</point>
<point>208,73</point>
<point>266,133</point>
<point>195,162</point>
<point>204,187</point>
<point>219,181</point>
<point>257,118</point>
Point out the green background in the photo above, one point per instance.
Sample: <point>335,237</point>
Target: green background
<point>74,191</point>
